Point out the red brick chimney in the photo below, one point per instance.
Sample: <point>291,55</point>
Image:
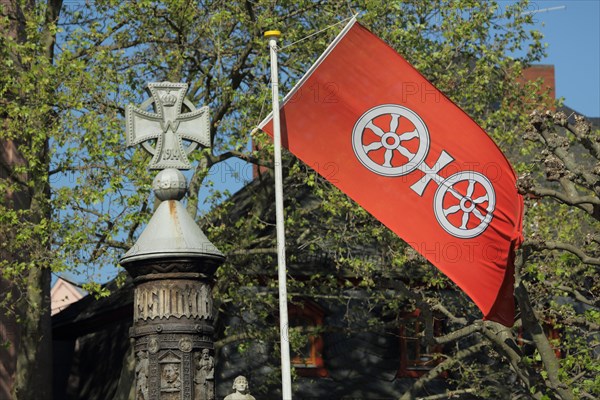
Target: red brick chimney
<point>545,73</point>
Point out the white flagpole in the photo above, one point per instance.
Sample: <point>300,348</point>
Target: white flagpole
<point>286,375</point>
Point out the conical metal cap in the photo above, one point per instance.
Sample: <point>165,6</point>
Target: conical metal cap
<point>172,233</point>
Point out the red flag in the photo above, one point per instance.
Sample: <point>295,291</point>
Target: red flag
<point>372,125</point>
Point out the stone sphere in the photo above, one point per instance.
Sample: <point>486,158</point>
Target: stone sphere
<point>169,184</point>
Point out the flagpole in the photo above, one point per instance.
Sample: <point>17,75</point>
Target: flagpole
<point>286,375</point>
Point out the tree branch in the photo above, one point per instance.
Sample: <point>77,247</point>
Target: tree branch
<point>444,366</point>
<point>242,156</point>
<point>577,294</point>
<point>195,183</point>
<point>558,148</point>
<point>540,246</point>
<point>477,326</point>
<point>230,339</point>
<point>10,173</point>
<point>137,223</point>
<point>449,394</point>
<point>453,318</point>
<point>563,197</point>
<point>509,349</point>
<point>581,130</point>
<point>118,245</point>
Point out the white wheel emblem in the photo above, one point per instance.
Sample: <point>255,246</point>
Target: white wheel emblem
<point>378,145</point>
<point>397,159</point>
<point>465,216</point>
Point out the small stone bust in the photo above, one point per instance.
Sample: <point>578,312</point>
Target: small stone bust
<point>240,387</point>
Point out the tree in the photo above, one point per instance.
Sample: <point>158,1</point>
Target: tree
<point>27,50</point>
<point>68,74</point>
<point>559,262</point>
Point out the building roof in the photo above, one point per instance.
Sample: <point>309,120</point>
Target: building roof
<point>87,314</point>
<point>64,293</point>
<point>595,121</point>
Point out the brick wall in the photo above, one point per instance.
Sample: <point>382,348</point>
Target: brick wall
<point>548,84</point>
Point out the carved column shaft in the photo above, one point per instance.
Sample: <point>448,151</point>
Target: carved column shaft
<point>173,332</point>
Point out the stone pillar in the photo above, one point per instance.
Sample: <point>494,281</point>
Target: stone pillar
<point>173,334</point>
<point>172,265</point>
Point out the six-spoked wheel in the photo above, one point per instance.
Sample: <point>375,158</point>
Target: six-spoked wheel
<point>465,215</point>
<point>398,159</point>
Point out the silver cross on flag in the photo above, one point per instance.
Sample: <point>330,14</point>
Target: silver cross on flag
<point>168,126</point>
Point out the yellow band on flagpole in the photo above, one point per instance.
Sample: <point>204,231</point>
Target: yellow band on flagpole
<point>273,33</point>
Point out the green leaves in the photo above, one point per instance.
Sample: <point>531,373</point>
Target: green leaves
<point>86,196</point>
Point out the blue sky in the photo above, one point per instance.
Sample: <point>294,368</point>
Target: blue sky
<point>572,32</point>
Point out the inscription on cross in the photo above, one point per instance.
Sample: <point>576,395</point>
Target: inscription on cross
<point>175,134</point>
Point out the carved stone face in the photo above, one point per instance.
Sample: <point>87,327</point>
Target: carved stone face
<point>240,384</point>
<point>170,373</point>
<point>205,354</point>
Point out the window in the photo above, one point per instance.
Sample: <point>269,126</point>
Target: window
<point>525,341</point>
<point>416,356</point>
<point>308,360</point>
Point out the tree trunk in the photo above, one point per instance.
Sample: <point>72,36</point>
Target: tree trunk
<point>532,325</point>
<point>33,352</point>
<point>33,374</point>
<point>33,378</point>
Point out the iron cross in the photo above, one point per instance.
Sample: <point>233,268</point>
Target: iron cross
<point>168,126</point>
